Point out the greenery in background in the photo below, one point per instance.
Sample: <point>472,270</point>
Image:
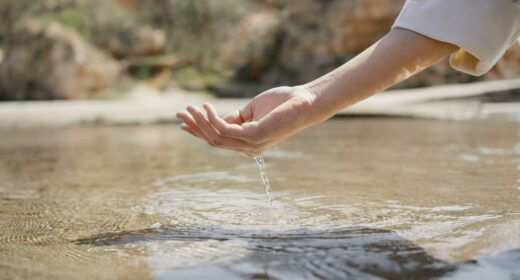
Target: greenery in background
<point>74,17</point>
<point>114,93</point>
<point>188,24</point>
<point>11,11</point>
<point>191,26</point>
<point>88,17</point>
<point>94,18</point>
<point>195,78</point>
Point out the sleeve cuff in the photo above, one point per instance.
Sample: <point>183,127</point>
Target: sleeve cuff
<point>482,29</point>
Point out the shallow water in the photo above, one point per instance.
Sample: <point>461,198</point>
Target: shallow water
<point>369,198</point>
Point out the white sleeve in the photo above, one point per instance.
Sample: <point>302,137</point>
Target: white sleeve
<point>482,29</point>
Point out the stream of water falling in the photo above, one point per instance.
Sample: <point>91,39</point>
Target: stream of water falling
<point>261,164</point>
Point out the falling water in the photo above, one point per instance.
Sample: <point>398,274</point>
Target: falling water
<point>261,164</point>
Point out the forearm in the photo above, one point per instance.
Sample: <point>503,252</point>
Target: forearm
<point>281,112</point>
<point>397,56</point>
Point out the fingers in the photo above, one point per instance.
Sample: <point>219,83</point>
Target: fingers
<point>200,122</point>
<point>186,128</point>
<point>190,123</point>
<point>234,118</point>
<point>213,137</point>
<point>218,132</point>
<point>220,125</point>
<point>246,113</point>
<point>242,132</point>
<point>239,116</point>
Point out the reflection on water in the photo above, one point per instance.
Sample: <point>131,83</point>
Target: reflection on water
<point>300,253</point>
<point>357,198</point>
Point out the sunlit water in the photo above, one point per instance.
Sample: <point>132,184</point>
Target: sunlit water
<point>358,198</point>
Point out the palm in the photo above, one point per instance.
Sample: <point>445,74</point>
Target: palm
<point>266,120</point>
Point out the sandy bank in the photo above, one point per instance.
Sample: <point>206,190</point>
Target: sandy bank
<point>144,106</point>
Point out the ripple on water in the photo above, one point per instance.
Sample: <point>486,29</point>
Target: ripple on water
<point>182,200</point>
<point>335,222</point>
<point>341,252</point>
<point>35,226</point>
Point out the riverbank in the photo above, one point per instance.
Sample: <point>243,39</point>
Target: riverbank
<point>146,106</point>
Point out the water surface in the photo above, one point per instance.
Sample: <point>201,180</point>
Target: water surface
<point>370,198</point>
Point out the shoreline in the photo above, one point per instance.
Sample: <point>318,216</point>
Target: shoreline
<point>147,106</point>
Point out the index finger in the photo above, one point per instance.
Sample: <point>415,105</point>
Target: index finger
<point>224,128</point>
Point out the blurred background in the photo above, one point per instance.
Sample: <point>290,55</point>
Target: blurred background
<point>100,49</point>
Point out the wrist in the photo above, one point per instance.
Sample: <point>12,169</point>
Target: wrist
<point>315,110</point>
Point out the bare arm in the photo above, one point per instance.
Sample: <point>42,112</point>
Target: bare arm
<point>280,112</point>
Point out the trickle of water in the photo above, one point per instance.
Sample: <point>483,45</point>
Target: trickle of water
<point>261,164</point>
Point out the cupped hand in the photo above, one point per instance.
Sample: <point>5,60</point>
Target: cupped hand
<point>266,120</point>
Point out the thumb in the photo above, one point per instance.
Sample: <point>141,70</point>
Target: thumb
<point>245,131</point>
<point>240,116</point>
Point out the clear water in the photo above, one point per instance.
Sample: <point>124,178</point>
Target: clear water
<point>265,179</point>
<point>358,198</point>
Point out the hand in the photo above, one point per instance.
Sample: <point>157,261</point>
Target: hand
<point>280,112</point>
<point>266,120</point>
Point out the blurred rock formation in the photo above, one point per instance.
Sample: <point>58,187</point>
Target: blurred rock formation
<point>47,60</point>
<point>308,38</point>
<point>235,48</point>
<point>137,41</point>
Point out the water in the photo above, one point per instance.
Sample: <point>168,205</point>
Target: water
<point>356,198</point>
<point>265,179</point>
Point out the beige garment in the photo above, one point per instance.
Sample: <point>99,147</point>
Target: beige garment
<point>482,29</point>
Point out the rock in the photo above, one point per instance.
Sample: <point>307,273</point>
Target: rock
<point>301,40</point>
<point>508,66</point>
<point>250,44</point>
<point>243,49</point>
<point>132,5</point>
<point>1,56</point>
<point>305,39</point>
<point>320,35</point>
<point>50,61</point>
<point>137,41</point>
